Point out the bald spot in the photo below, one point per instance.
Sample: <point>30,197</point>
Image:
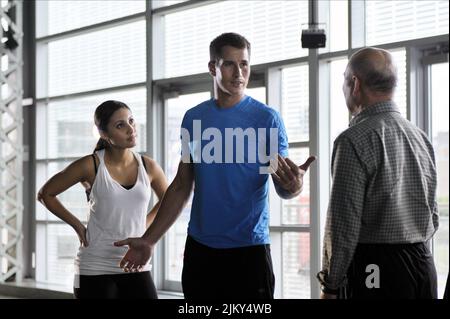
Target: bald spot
<point>375,68</point>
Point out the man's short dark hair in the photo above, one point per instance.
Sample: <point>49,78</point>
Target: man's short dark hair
<point>232,39</point>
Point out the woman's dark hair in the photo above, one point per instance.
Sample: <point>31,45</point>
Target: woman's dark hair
<point>103,114</point>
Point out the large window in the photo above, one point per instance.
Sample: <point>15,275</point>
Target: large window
<point>393,21</point>
<point>92,51</point>
<point>76,71</point>
<point>339,114</point>
<point>164,3</point>
<point>439,133</point>
<point>338,25</point>
<point>70,129</point>
<point>399,56</point>
<point>96,60</point>
<point>271,26</point>
<point>290,219</point>
<point>175,108</point>
<point>295,103</point>
<point>176,237</point>
<point>59,16</point>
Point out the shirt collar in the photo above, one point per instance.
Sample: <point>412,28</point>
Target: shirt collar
<point>377,108</point>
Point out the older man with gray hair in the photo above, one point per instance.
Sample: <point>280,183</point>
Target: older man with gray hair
<point>382,210</point>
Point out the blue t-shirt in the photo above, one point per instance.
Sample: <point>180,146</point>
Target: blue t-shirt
<point>228,148</point>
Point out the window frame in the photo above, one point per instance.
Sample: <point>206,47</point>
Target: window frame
<point>268,75</point>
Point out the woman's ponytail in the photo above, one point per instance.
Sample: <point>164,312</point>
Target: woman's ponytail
<point>101,144</point>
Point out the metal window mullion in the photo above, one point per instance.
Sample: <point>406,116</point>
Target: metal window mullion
<point>425,116</point>
<point>419,43</point>
<point>54,222</point>
<point>357,24</point>
<point>274,98</point>
<point>157,104</point>
<point>336,55</point>
<point>417,84</point>
<point>277,249</point>
<point>57,159</point>
<point>186,5</point>
<point>424,63</point>
<point>299,144</point>
<point>155,131</point>
<point>279,64</point>
<point>263,67</point>
<point>315,207</point>
<point>350,25</point>
<point>160,95</point>
<point>291,228</point>
<point>55,98</point>
<point>314,135</point>
<point>29,92</point>
<point>412,79</point>
<point>92,28</point>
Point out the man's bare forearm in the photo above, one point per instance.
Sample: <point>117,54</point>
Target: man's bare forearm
<point>171,206</point>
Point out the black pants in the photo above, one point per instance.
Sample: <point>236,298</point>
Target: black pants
<point>128,286</point>
<point>405,271</point>
<point>235,273</point>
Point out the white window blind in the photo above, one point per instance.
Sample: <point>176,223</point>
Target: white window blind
<point>56,248</point>
<point>337,32</point>
<point>272,27</point>
<point>96,60</point>
<point>295,102</point>
<point>61,15</point>
<point>296,211</point>
<point>392,21</point>
<point>70,127</point>
<point>339,114</point>
<point>399,57</point>
<point>439,79</point>
<point>74,199</point>
<point>296,265</point>
<point>176,108</point>
<point>164,3</point>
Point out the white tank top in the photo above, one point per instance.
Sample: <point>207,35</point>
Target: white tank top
<point>115,214</point>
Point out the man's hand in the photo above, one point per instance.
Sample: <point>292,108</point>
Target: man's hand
<point>289,176</point>
<point>327,296</point>
<point>138,254</point>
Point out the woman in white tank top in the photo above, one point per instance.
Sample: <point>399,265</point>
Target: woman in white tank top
<point>118,183</point>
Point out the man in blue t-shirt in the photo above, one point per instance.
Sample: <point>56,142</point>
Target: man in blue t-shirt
<point>230,145</point>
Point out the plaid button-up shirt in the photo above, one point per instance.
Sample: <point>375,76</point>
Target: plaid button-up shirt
<point>384,188</point>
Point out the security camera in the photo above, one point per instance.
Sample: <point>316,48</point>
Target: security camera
<point>313,38</point>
